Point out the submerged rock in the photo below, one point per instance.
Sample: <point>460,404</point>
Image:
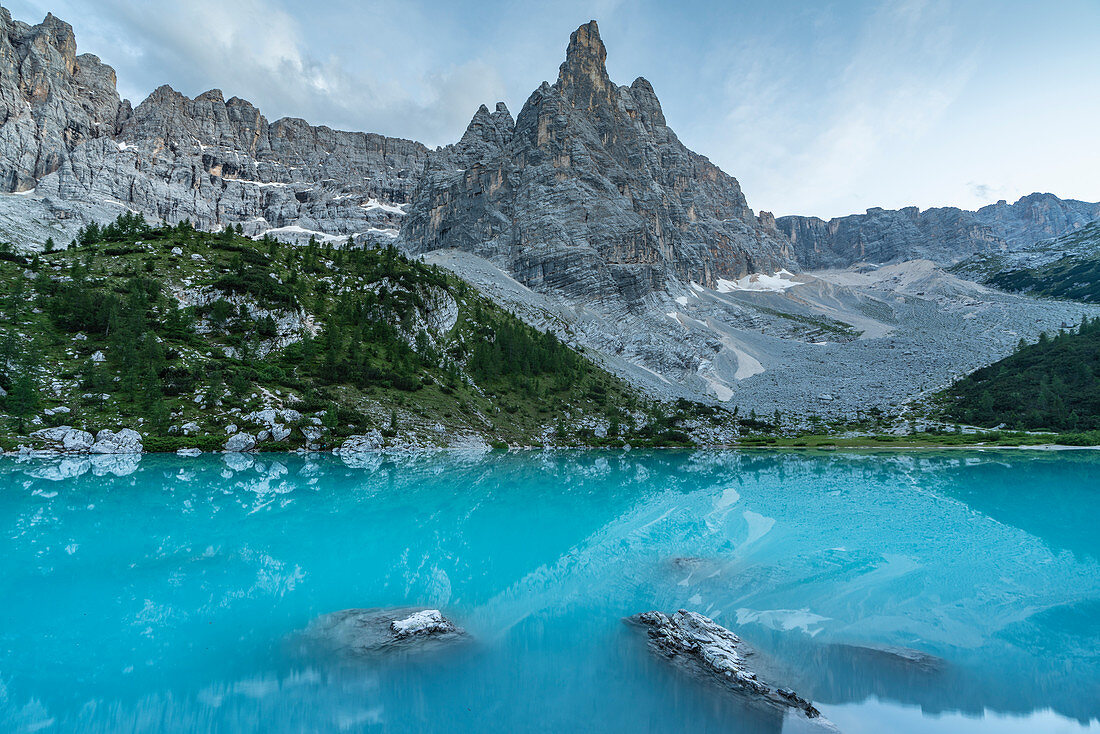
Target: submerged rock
<point>359,632</point>
<point>905,657</point>
<point>703,647</point>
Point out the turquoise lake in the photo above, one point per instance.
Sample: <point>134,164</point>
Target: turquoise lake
<point>163,594</point>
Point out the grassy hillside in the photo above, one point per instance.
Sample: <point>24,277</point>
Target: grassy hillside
<point>1053,384</point>
<point>157,328</point>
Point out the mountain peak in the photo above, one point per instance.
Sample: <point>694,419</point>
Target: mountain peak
<point>582,78</point>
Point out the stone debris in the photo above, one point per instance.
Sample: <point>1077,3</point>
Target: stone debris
<point>701,645</point>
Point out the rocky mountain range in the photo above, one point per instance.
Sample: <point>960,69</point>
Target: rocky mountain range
<point>945,235</point>
<point>589,193</point>
<point>78,153</point>
<point>584,214</point>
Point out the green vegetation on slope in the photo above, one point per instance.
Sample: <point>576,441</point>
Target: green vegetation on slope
<point>156,327</point>
<point>1053,384</point>
<point>1074,276</point>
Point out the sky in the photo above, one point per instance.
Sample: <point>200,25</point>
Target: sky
<point>818,108</point>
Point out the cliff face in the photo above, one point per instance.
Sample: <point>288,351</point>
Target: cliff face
<point>65,134</point>
<point>51,100</point>
<point>945,235</point>
<point>589,193</point>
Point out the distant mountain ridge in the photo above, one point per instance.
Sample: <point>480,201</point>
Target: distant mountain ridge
<point>944,235</point>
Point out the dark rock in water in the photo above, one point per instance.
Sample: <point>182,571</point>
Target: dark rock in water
<point>705,648</point>
<point>364,632</point>
<point>900,656</point>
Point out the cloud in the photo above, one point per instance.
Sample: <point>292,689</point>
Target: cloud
<point>809,133</point>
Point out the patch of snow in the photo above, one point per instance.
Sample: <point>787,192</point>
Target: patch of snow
<point>261,184</point>
<point>398,209</point>
<point>721,391</point>
<point>759,282</point>
<point>295,229</point>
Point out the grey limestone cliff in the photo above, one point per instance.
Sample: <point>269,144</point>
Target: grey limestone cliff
<point>589,193</point>
<point>78,152</point>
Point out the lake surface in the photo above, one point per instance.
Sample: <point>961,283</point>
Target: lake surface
<point>163,593</point>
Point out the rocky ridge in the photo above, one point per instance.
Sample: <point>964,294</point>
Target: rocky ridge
<point>589,194</point>
<point>76,152</point>
<point>944,235</point>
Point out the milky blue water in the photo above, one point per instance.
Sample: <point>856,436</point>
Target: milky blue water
<point>164,594</point>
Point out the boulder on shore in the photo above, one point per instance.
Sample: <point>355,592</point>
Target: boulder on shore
<point>701,646</point>
<point>370,441</point>
<point>125,441</point>
<point>240,442</point>
<point>65,439</point>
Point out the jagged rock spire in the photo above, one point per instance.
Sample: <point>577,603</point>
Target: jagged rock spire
<point>582,78</point>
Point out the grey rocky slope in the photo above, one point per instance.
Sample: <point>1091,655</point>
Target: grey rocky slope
<point>75,152</point>
<point>944,235</point>
<point>585,214</point>
<point>589,194</point>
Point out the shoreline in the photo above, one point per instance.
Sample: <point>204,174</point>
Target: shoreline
<point>1047,447</point>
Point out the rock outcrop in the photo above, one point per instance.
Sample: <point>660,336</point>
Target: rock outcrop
<point>64,439</point>
<point>705,648</point>
<point>589,193</point>
<point>944,235</point>
<point>83,154</point>
<point>125,441</point>
<point>366,632</point>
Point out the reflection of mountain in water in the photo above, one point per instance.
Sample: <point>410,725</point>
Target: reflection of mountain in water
<point>814,558</point>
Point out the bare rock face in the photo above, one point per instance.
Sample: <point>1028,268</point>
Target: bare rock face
<point>705,648</point>
<point>51,100</point>
<point>944,235</point>
<point>589,193</point>
<point>66,135</point>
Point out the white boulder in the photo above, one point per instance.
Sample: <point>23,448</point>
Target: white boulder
<point>371,441</point>
<point>65,439</point>
<point>240,442</point>
<point>126,441</point>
